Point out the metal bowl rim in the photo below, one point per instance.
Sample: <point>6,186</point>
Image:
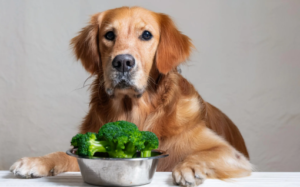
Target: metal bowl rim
<point>162,155</point>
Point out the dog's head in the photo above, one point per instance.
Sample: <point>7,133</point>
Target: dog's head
<point>124,45</point>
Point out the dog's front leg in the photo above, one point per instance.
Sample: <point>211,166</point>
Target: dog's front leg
<point>48,165</point>
<point>219,160</point>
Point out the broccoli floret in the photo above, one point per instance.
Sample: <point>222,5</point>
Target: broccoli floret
<point>120,139</point>
<point>151,142</point>
<point>88,144</point>
<point>74,140</point>
<point>124,139</point>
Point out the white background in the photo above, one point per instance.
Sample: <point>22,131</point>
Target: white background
<point>247,63</point>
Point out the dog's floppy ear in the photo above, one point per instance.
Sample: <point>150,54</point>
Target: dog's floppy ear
<point>85,45</point>
<point>173,48</point>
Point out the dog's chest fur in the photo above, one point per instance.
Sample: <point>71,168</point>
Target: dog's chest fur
<point>167,122</point>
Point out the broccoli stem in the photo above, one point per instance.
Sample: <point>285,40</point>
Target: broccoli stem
<point>145,154</point>
<point>128,152</point>
<point>97,146</point>
<point>130,148</point>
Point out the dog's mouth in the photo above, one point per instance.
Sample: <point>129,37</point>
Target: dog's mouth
<point>123,81</point>
<point>124,85</point>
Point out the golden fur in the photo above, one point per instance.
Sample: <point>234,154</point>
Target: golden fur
<point>201,140</point>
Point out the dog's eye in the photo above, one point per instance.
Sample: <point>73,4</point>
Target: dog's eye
<point>110,35</point>
<point>146,35</point>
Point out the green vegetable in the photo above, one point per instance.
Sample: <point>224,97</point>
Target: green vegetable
<point>151,142</point>
<point>120,139</point>
<point>88,144</point>
<point>74,140</point>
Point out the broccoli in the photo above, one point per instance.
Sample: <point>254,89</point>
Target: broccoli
<point>74,140</point>
<point>120,139</point>
<point>88,144</point>
<point>124,139</point>
<point>151,142</point>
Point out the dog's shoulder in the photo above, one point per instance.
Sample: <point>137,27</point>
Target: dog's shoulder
<point>176,88</point>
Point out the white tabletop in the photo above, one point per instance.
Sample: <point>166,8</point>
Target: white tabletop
<point>161,179</point>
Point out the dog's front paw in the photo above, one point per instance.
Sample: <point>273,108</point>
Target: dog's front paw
<point>189,174</point>
<point>32,167</point>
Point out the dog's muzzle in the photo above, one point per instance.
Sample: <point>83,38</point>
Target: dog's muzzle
<point>123,65</point>
<point>123,75</point>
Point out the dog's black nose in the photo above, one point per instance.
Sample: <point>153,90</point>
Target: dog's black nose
<point>123,63</point>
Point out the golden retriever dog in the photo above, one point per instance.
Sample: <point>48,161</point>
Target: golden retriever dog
<point>133,54</point>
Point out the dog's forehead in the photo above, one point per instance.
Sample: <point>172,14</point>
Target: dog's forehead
<point>136,17</point>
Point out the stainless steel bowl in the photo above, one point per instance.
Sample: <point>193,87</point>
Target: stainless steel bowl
<point>118,171</point>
